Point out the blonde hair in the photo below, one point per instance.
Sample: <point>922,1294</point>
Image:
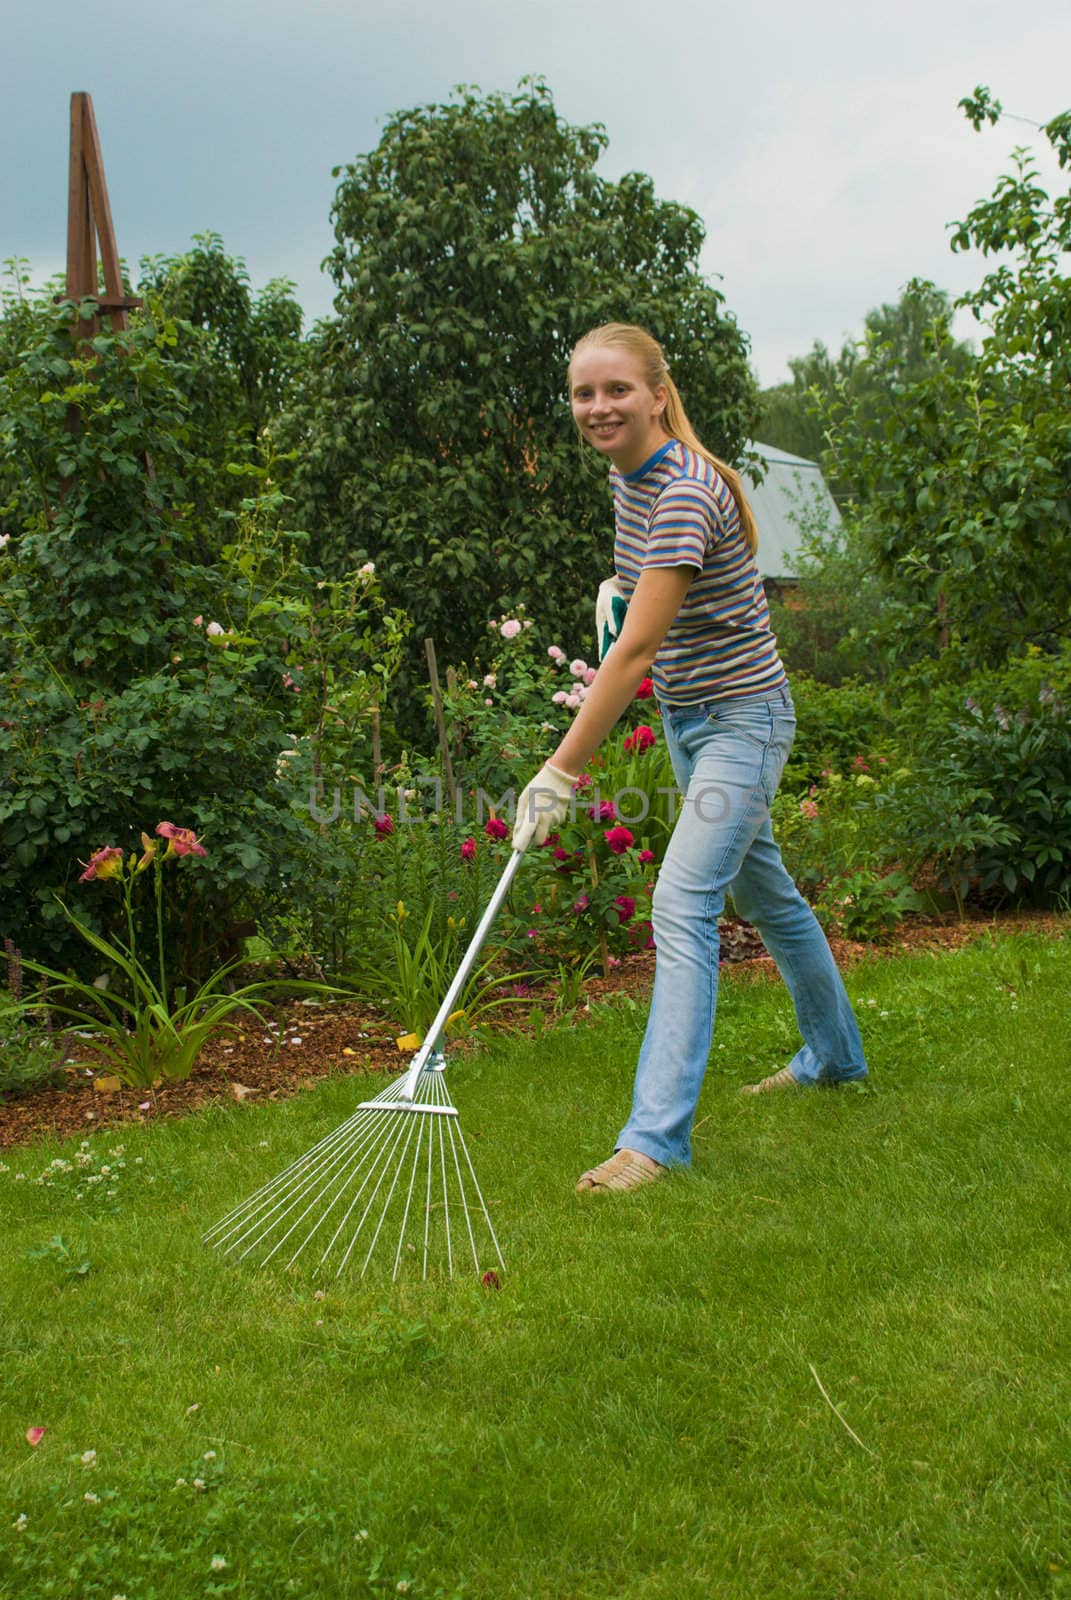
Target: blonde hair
<point>648,353</point>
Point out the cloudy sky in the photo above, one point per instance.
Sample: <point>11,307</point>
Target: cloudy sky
<point>821,144</point>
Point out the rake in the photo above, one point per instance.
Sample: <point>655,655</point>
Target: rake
<point>399,1166</point>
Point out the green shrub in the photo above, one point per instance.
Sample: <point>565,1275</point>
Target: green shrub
<point>834,726</point>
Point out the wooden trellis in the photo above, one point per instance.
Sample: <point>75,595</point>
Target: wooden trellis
<point>90,231</point>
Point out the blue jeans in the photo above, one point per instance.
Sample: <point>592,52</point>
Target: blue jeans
<point>728,756</point>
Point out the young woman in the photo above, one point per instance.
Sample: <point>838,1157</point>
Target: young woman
<point>684,555</point>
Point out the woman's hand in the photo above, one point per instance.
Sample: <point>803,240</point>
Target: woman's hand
<point>543,803</point>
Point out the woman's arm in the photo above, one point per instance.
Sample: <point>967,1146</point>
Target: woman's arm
<point>655,602</point>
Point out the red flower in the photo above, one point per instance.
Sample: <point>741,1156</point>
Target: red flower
<point>106,863</point>
<point>550,841</point>
<point>642,739</point>
<point>603,812</point>
<point>619,839</point>
<point>495,828</point>
<point>645,690</point>
<point>562,855</point>
<point>383,825</point>
<point>181,841</point>
<point>861,764</point>
<point>581,905</point>
<point>490,1279</point>
<point>468,850</point>
<point>626,908</point>
<point>645,856</point>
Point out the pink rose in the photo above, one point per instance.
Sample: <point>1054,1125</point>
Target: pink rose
<point>468,850</point>
<point>619,839</point>
<point>495,828</point>
<point>510,628</point>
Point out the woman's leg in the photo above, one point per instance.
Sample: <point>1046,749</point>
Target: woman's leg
<point>764,894</point>
<point>729,764</point>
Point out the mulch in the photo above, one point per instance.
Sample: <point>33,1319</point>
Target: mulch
<point>307,1042</point>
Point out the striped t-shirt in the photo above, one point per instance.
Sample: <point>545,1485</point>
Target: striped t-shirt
<point>677,510</point>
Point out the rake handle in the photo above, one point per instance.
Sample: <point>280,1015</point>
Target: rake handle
<point>434,1033</point>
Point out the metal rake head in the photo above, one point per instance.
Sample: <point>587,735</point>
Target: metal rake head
<point>398,1171</point>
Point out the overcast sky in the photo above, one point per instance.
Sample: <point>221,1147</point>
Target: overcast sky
<point>821,144</point>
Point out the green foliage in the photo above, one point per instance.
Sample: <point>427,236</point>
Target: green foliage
<point>959,485</point>
<point>419,970</point>
<point>835,727</point>
<point>896,348</point>
<point>30,1058</point>
<point>474,245</point>
<point>145,1027</point>
<point>505,708</point>
<point>866,904</point>
<point>237,356</point>
<point>1018,760</point>
<point>155,660</point>
<point>824,625</point>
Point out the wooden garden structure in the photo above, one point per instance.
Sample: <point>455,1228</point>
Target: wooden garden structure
<point>90,231</point>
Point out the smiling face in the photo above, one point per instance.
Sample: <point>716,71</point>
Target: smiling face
<point>613,407</point>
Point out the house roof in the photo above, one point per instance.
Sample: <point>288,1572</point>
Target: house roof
<point>791,490</point>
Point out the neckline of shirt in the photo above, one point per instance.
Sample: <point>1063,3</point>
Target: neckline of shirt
<point>652,461</point>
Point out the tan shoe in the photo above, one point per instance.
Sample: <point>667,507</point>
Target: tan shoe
<point>625,1170</point>
<point>776,1080</point>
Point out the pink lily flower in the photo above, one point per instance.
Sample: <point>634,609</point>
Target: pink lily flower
<point>181,841</point>
<point>106,863</point>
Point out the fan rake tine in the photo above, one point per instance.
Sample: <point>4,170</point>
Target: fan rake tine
<point>383,1151</point>
<point>309,1165</point>
<point>336,1163</point>
<point>235,1217</point>
<point>371,1201</point>
<point>377,1149</point>
<point>408,1203</point>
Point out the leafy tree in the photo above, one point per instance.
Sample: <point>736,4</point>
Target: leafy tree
<point>960,480</point>
<point>236,355</point>
<point>473,246</point>
<point>252,341</point>
<point>897,347</point>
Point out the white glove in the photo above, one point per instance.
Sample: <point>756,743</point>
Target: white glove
<point>610,608</point>
<point>544,802</point>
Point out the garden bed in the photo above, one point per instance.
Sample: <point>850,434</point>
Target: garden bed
<point>312,1041</point>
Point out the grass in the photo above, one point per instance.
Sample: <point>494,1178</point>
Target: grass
<point>638,1411</point>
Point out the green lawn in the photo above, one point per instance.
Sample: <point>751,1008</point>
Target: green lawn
<point>637,1412</point>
